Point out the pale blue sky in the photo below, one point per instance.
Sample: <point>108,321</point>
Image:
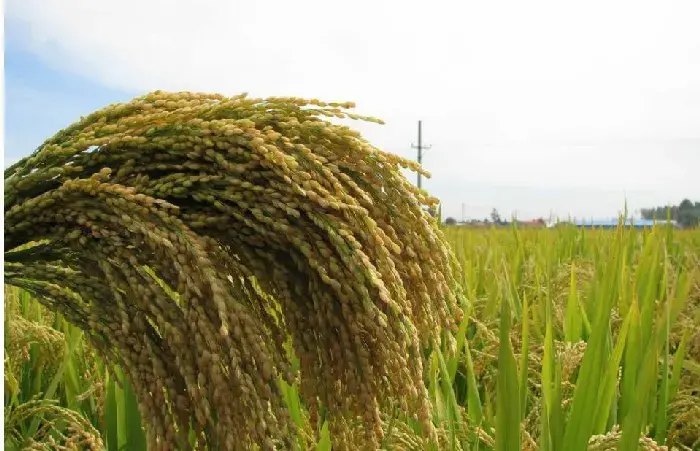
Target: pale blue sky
<point>40,100</point>
<point>531,107</point>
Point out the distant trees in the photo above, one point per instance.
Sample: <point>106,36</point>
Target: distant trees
<point>686,214</point>
<point>495,216</point>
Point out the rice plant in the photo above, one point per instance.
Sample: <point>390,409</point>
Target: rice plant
<point>548,277</point>
<point>191,237</point>
<point>198,272</point>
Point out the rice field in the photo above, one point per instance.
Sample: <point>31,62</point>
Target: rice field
<point>571,339</point>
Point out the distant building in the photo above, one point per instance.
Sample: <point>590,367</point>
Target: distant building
<point>535,223</point>
<point>612,223</point>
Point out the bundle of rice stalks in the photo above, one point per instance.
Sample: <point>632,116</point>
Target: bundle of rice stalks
<point>191,236</point>
<point>685,418</point>
<point>611,442</point>
<point>60,428</point>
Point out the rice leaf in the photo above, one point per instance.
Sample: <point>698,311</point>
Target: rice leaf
<point>508,435</point>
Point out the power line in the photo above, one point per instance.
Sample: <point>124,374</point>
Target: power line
<point>420,148</point>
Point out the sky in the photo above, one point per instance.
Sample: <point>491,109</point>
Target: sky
<point>538,108</point>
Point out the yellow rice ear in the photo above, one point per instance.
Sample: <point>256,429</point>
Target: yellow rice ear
<point>220,229</point>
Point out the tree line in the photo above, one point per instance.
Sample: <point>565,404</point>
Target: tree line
<point>686,214</point>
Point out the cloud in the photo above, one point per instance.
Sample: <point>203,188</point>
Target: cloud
<point>544,94</point>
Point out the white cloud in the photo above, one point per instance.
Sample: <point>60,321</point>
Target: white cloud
<point>550,95</point>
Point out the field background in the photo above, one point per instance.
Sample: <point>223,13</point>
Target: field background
<point>573,339</point>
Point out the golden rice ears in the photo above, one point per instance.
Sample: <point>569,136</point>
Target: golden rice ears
<point>199,239</point>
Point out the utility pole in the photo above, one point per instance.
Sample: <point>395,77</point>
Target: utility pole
<point>420,148</point>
